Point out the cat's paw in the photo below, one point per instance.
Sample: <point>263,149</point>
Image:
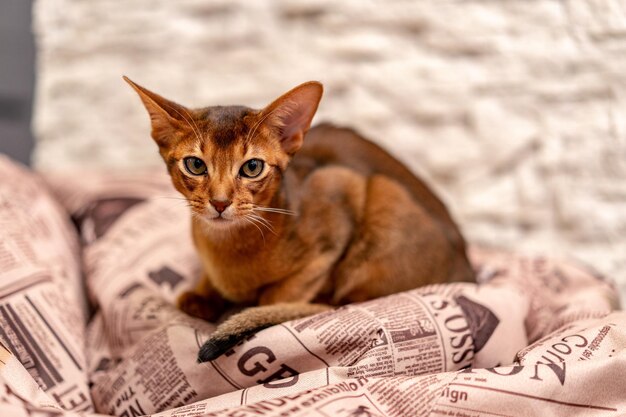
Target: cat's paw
<point>198,306</point>
<point>250,321</point>
<point>235,329</point>
<point>216,347</point>
<point>220,343</point>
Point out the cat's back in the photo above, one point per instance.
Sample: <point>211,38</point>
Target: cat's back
<point>326,145</point>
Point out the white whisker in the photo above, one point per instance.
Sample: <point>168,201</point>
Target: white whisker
<point>246,218</point>
<point>177,202</point>
<point>287,212</point>
<point>256,220</point>
<point>169,197</point>
<point>264,222</point>
<point>274,210</point>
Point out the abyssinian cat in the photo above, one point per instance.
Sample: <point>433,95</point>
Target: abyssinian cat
<point>294,221</point>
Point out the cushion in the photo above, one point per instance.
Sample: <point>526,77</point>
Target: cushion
<point>535,333</point>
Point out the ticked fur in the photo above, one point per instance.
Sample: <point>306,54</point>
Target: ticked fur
<point>331,219</point>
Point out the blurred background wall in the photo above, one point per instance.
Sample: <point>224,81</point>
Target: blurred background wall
<point>515,111</point>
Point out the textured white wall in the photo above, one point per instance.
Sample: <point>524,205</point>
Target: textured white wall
<point>514,110</point>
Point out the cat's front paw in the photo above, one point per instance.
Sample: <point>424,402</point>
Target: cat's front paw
<point>237,328</point>
<point>197,305</point>
<point>217,346</point>
<point>220,343</point>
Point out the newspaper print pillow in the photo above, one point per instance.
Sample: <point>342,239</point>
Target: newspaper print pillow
<point>142,351</point>
<point>532,337</point>
<point>43,311</point>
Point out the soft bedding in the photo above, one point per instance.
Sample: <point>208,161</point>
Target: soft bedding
<point>535,336</point>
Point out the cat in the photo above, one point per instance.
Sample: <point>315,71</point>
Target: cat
<point>293,221</point>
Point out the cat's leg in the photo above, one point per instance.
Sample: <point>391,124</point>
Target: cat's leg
<point>253,320</point>
<point>203,302</point>
<point>398,247</point>
<point>286,300</point>
<point>302,286</point>
<point>330,203</point>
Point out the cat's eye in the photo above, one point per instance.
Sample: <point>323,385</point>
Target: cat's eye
<point>195,166</point>
<point>251,168</point>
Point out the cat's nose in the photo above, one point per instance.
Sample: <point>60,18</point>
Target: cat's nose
<point>220,205</point>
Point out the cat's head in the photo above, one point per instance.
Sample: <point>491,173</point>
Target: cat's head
<point>228,161</point>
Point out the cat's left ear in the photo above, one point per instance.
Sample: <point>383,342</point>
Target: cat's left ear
<point>291,114</point>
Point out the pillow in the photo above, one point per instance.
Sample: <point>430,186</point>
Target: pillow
<point>142,351</point>
<point>43,310</point>
<point>529,320</point>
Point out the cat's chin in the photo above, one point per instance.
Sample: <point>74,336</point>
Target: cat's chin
<point>216,223</point>
<point>220,222</point>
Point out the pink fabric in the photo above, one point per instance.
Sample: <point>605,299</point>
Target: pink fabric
<point>535,336</point>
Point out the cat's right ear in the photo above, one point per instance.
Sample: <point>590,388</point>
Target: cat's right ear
<point>165,115</point>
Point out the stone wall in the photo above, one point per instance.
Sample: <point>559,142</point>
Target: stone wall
<point>514,110</point>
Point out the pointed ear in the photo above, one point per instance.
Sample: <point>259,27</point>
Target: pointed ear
<point>165,115</point>
<point>291,114</point>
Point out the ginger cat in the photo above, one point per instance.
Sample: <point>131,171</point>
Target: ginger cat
<point>296,222</point>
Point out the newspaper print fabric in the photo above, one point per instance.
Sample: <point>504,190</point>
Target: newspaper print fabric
<point>535,336</point>
<point>43,311</point>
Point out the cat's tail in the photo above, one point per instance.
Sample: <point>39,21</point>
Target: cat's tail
<point>251,320</point>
